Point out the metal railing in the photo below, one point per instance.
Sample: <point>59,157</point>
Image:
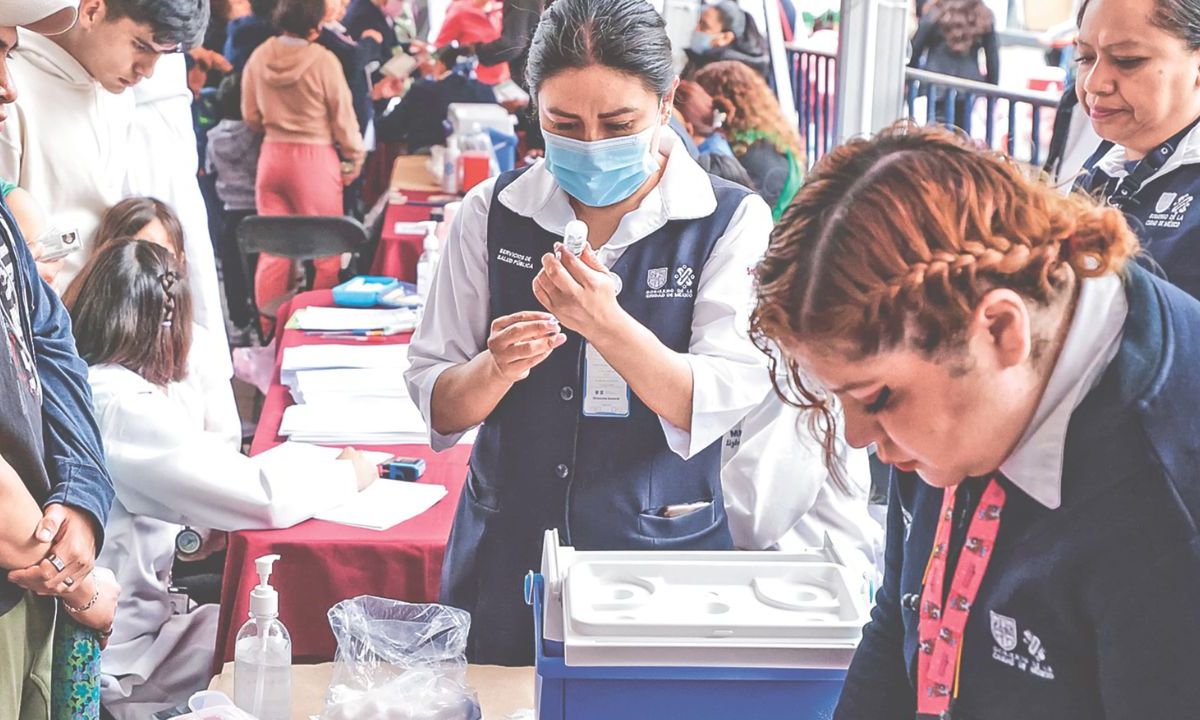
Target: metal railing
<point>1018,122</point>
<point>1015,121</point>
<point>814,84</point>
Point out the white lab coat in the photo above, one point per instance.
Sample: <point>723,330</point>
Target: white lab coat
<point>174,460</point>
<point>779,494</point>
<point>163,164</point>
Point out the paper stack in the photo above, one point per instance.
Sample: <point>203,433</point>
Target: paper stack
<point>317,387</point>
<point>365,422</point>
<point>352,320</point>
<point>393,358</point>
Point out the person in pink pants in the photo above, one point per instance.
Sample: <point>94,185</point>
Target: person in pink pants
<point>294,91</point>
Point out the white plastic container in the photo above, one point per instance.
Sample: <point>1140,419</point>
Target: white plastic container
<point>262,670</point>
<point>464,116</point>
<point>428,262</point>
<point>710,609</point>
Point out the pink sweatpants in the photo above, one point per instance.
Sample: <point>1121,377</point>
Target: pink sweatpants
<point>296,179</point>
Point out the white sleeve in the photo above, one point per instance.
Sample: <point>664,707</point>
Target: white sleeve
<point>12,143</point>
<point>163,164</point>
<point>220,410</point>
<point>771,474</point>
<point>729,374</point>
<point>164,469</point>
<point>454,328</point>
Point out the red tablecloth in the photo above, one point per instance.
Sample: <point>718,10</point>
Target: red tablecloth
<point>397,254</point>
<point>324,563</point>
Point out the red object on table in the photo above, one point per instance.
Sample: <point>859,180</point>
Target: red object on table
<point>324,563</point>
<point>476,167</point>
<point>398,254</point>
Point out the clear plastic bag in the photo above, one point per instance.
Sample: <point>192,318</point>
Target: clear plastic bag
<point>399,661</point>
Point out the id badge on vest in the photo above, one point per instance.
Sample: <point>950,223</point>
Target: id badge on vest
<point>605,392</point>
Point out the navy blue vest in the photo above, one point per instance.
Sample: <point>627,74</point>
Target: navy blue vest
<point>1162,212</point>
<point>539,463</point>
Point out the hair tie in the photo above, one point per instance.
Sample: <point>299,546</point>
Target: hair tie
<point>167,281</point>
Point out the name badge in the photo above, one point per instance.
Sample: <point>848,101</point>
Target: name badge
<point>605,392</point>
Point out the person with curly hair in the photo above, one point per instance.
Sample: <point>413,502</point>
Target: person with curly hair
<point>767,145</point>
<point>1033,390</point>
<point>948,41</point>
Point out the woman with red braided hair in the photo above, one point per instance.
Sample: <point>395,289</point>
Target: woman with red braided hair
<point>1035,392</point>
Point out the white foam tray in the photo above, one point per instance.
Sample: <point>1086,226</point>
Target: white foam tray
<point>714,609</point>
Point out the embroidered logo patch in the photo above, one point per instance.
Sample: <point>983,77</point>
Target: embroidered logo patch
<point>659,287</point>
<point>1164,201</point>
<point>1023,651</point>
<point>684,277</point>
<point>1004,630</point>
<point>1170,211</point>
<point>1182,204</point>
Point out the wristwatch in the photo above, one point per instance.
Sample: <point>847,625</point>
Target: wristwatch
<point>188,542</point>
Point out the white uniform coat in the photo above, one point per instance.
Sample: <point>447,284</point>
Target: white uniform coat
<point>174,460</point>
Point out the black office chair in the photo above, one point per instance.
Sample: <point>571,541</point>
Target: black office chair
<point>299,238</point>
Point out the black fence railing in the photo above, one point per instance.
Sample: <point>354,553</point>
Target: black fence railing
<point>814,83</point>
<point>1017,122</point>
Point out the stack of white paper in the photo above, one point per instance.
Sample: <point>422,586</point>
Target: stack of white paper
<point>337,319</point>
<point>367,422</point>
<point>385,504</point>
<point>324,357</point>
<point>334,385</point>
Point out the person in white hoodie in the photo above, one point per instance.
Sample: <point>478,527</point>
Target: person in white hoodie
<point>173,465</point>
<point>67,144</point>
<point>163,164</point>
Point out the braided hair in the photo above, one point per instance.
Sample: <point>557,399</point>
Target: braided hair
<point>893,241</point>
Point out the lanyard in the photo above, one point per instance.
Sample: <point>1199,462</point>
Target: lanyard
<point>1129,186</point>
<point>940,630</point>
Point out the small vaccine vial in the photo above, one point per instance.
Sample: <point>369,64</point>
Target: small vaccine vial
<point>575,237</point>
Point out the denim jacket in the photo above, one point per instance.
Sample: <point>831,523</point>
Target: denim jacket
<point>74,455</point>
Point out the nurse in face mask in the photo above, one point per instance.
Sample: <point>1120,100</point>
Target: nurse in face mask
<point>602,383</point>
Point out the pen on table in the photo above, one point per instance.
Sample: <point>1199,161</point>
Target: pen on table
<point>355,333</point>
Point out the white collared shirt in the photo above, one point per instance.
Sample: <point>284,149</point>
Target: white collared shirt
<point>728,373</point>
<point>1113,163</point>
<point>1092,342</point>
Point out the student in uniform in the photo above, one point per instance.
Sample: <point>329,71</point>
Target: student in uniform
<point>1139,81</point>
<point>605,382</point>
<point>1035,392</point>
<point>173,463</point>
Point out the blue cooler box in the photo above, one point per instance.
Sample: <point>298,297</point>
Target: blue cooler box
<point>685,676</point>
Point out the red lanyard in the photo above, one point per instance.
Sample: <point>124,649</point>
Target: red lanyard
<point>940,630</point>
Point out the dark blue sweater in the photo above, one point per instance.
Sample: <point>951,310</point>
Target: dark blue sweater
<point>244,36</point>
<point>419,118</point>
<point>1088,611</point>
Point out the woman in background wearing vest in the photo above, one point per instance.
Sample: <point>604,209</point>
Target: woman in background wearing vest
<point>1139,81</point>
<point>603,383</point>
<point>1035,392</point>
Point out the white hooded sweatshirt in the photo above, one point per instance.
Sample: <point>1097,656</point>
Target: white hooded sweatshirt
<point>65,141</point>
<point>163,165</point>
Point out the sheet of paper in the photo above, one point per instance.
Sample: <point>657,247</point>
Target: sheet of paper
<point>385,504</point>
<point>341,355</point>
<point>347,384</point>
<point>337,318</point>
<point>374,422</point>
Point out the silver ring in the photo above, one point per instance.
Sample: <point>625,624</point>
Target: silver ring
<point>69,582</point>
<point>58,564</point>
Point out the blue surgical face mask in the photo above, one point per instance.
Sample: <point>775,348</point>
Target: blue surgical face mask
<point>603,172</point>
<point>701,43</point>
